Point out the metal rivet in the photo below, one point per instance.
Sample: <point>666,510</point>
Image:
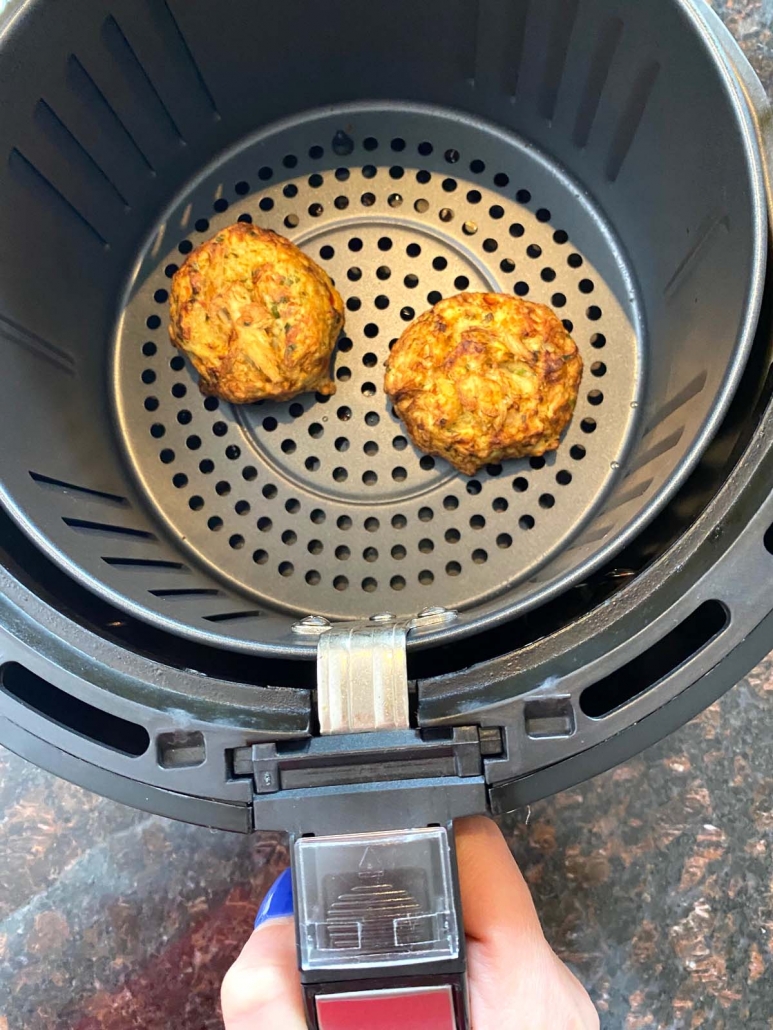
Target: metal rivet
<point>434,611</point>
<point>312,625</point>
<point>436,615</point>
<point>383,617</point>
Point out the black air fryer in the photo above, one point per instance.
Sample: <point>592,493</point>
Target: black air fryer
<point>284,616</point>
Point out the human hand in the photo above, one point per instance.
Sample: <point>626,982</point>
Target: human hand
<point>516,980</point>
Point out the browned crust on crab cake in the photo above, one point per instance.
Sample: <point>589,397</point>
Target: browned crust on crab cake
<point>256,316</point>
<point>483,377</point>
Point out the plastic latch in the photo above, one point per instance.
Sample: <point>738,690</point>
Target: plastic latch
<point>375,900</point>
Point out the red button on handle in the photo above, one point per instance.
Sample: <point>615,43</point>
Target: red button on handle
<point>415,1008</point>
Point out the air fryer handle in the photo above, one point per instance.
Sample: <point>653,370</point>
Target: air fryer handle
<point>379,931</point>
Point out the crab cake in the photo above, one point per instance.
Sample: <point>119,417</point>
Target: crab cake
<point>256,316</point>
<point>482,377</point>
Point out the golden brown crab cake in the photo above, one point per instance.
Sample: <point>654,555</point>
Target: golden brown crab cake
<point>482,377</point>
<point>256,316</point>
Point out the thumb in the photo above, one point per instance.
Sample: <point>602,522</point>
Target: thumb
<point>262,988</point>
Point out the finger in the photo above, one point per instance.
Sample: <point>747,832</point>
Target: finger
<point>495,897</point>
<point>262,988</point>
<point>516,980</point>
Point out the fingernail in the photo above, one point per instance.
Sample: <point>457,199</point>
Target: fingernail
<point>278,901</point>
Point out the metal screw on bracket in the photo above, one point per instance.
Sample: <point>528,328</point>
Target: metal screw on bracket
<point>433,616</point>
<point>311,626</point>
<point>436,610</point>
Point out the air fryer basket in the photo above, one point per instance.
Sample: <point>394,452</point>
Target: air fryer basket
<point>610,158</point>
<point>590,155</point>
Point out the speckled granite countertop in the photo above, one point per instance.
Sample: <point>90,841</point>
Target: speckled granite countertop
<point>654,881</point>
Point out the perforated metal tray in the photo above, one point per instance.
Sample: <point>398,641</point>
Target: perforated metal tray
<point>323,504</point>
